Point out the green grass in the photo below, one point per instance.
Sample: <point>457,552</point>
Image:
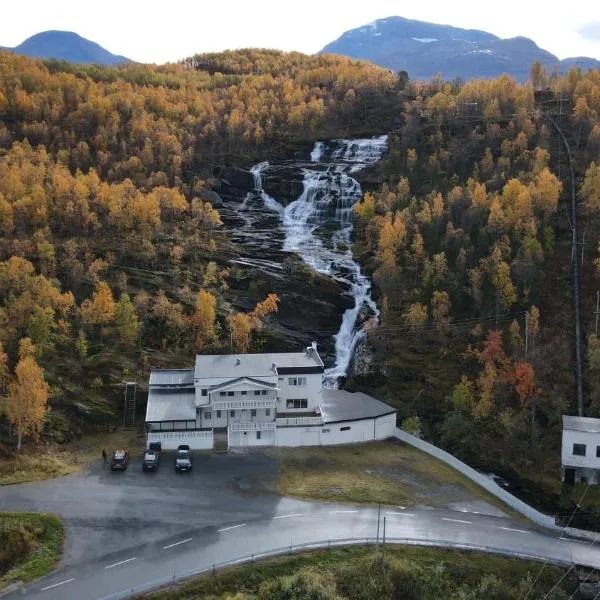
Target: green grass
<point>459,568</point>
<point>46,545</point>
<point>373,473</point>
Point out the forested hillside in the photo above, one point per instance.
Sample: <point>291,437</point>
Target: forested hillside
<point>112,258</point>
<point>469,243</point>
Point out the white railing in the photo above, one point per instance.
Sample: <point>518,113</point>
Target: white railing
<point>270,425</point>
<point>243,404</point>
<point>171,439</point>
<point>299,421</point>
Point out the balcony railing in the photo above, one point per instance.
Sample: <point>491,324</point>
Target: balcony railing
<point>254,426</point>
<point>299,421</point>
<point>243,404</point>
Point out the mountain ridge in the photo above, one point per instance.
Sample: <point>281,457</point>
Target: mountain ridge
<point>66,45</point>
<point>425,49</point>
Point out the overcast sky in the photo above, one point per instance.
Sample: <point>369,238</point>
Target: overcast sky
<point>167,30</point>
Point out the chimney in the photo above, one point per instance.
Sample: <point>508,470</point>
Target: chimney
<point>311,349</point>
<point>237,361</point>
<point>274,367</point>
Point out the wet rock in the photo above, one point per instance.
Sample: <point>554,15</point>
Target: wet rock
<point>237,178</point>
<point>284,183</point>
<point>212,197</point>
<point>361,364</point>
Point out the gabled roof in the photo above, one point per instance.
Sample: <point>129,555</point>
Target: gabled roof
<point>232,366</point>
<point>255,382</point>
<point>586,424</point>
<point>171,404</point>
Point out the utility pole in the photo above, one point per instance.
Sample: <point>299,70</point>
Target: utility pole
<point>597,312</point>
<point>384,533</point>
<point>526,333</point>
<point>378,520</point>
<point>576,273</point>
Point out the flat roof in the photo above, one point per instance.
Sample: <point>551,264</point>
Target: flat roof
<point>174,377</point>
<point>587,424</point>
<point>170,405</point>
<point>233,366</point>
<point>339,405</point>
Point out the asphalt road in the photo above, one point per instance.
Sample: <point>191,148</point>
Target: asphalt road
<point>127,531</point>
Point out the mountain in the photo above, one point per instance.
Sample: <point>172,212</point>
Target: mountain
<point>66,45</point>
<point>425,49</point>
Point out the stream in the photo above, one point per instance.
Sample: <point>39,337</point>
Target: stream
<point>316,225</point>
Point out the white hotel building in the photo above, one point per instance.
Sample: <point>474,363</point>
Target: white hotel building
<point>276,399</point>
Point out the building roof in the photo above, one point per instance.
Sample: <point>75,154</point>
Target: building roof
<point>172,377</point>
<point>338,405</point>
<point>586,424</point>
<point>232,366</point>
<point>170,404</point>
<point>254,382</point>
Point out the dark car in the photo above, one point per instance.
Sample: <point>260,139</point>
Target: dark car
<point>183,458</point>
<point>119,460</point>
<point>150,462</point>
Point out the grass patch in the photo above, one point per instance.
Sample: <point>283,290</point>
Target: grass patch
<point>411,573</point>
<point>380,472</point>
<point>36,463</point>
<point>30,545</point>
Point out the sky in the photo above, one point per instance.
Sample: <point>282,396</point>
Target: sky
<point>164,31</point>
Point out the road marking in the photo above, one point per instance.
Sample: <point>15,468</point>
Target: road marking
<point>177,543</point>
<point>120,563</point>
<point>511,529</point>
<point>232,527</point>
<point>288,516</point>
<point>345,511</point>
<point>456,520</point>
<point>49,587</point>
<point>403,514</point>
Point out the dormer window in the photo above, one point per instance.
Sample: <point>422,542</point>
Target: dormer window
<point>204,392</point>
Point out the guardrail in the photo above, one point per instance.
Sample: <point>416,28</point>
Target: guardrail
<point>493,488</point>
<point>253,426</point>
<point>299,421</point>
<point>294,548</point>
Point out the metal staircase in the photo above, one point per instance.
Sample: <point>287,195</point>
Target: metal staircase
<point>129,410</point>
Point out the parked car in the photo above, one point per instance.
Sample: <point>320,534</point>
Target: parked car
<point>151,460</point>
<point>119,460</point>
<point>183,458</point>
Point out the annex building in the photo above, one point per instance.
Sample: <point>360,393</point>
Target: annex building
<point>580,450</point>
<point>271,399</point>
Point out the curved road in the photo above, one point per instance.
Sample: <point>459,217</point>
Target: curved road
<point>117,575</point>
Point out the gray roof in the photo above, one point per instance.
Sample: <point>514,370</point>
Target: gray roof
<point>253,365</point>
<point>226,384</point>
<point>338,405</point>
<point>587,424</point>
<point>170,405</point>
<point>172,377</point>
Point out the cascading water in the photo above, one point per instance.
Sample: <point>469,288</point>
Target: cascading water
<point>318,227</point>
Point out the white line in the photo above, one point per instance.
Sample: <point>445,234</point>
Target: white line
<point>49,587</point>
<point>177,543</point>
<point>288,516</point>
<point>456,520</point>
<point>511,529</point>
<point>345,511</point>
<point>403,514</point>
<point>120,563</point>
<point>232,527</point>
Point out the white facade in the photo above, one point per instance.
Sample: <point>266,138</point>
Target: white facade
<point>254,400</point>
<point>580,450</point>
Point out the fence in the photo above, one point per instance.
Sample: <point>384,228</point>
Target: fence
<point>299,421</point>
<point>293,548</point>
<point>492,487</point>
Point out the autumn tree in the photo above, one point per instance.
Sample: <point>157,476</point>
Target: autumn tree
<point>100,309</point>
<point>4,370</point>
<point>204,318</point>
<point>127,322</point>
<point>240,327</point>
<point>81,345</point>
<point>27,396</point>
<point>416,316</point>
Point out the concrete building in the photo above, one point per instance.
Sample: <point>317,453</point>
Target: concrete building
<point>274,399</point>
<point>580,450</point>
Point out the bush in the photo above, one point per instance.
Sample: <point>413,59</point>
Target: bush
<point>17,542</point>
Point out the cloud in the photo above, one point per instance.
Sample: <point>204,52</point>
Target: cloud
<point>590,31</point>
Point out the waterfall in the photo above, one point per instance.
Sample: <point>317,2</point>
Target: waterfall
<point>318,227</point>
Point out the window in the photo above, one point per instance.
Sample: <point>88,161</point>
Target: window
<point>597,451</point>
<point>244,393</point>
<point>204,392</point>
<point>257,392</point>
<point>344,428</point>
<point>230,393</point>
<point>218,414</point>
<point>258,435</point>
<point>207,415</point>
<point>264,392</point>
<point>232,413</point>
<point>296,380</point>
<point>253,412</point>
<point>222,394</point>
<point>324,430</point>
<point>578,449</point>
<point>268,413</point>
<point>299,403</point>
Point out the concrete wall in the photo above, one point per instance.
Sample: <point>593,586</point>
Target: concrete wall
<point>590,440</point>
<point>311,391</point>
<point>196,440</point>
<point>492,487</point>
<point>243,439</point>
